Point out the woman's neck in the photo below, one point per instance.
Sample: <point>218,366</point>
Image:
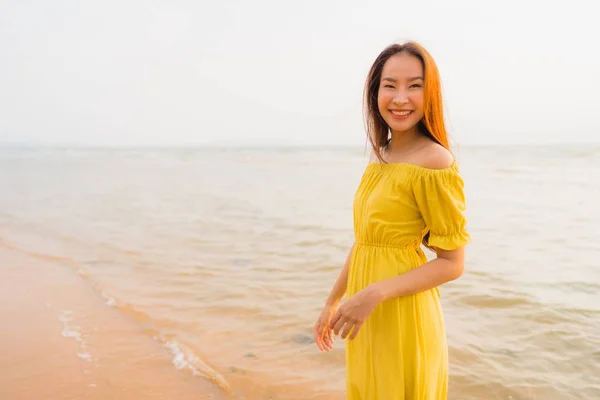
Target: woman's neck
<point>402,142</point>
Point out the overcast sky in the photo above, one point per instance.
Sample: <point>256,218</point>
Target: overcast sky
<point>254,72</point>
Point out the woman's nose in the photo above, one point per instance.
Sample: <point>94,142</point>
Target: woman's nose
<point>400,97</point>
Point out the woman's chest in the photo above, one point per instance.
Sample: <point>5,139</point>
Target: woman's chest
<point>380,193</point>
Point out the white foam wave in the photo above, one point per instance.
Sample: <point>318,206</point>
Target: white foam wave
<point>70,331</point>
<point>185,358</point>
<point>110,301</point>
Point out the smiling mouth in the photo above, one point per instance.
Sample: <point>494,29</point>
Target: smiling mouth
<point>402,113</point>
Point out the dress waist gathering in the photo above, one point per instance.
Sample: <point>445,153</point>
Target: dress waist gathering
<point>411,245</point>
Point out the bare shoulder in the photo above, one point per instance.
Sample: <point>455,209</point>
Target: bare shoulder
<point>436,156</point>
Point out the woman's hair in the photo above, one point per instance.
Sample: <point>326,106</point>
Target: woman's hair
<point>432,123</point>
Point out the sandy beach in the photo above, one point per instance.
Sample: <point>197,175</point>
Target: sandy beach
<point>55,345</point>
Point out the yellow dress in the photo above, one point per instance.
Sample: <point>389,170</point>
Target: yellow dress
<point>400,353</point>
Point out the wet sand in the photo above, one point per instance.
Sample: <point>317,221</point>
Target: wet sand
<point>56,345</point>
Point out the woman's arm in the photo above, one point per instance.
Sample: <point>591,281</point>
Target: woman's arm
<point>323,333</point>
<point>339,288</point>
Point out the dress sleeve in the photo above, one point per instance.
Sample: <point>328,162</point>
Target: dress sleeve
<point>441,200</point>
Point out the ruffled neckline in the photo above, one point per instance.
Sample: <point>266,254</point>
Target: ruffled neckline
<point>451,168</point>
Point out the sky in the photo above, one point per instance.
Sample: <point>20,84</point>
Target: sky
<point>229,72</point>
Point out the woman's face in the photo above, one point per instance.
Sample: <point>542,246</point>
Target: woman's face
<point>400,97</point>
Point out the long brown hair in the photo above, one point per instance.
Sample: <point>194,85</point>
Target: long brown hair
<point>431,125</point>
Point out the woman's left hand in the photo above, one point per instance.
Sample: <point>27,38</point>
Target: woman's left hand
<point>354,312</point>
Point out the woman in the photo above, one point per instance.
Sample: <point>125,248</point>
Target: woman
<point>410,193</point>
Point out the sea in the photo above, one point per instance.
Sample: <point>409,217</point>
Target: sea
<point>223,257</point>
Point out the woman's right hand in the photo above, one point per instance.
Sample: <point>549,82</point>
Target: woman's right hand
<point>323,330</point>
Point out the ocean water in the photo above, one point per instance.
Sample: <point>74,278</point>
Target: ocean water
<point>225,257</point>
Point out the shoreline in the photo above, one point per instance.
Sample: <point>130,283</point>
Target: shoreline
<point>62,340</point>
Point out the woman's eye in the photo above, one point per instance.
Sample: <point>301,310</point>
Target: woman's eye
<point>389,86</point>
<point>416,85</point>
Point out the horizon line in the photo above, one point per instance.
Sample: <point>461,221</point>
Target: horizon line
<point>262,145</point>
